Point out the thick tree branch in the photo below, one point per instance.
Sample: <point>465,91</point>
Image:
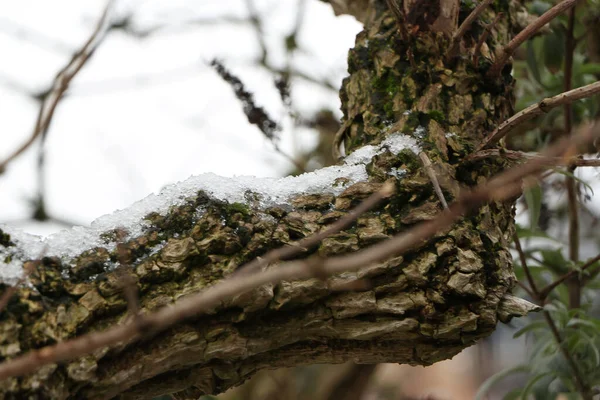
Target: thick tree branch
<point>202,328</point>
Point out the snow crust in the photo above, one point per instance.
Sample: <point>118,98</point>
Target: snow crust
<point>271,191</point>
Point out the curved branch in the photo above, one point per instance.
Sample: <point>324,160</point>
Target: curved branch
<point>540,108</point>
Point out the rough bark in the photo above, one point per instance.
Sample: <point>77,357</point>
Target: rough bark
<point>420,308</point>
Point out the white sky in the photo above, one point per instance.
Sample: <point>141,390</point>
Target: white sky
<point>144,113</point>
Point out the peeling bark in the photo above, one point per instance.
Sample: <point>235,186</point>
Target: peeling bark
<point>420,308</point>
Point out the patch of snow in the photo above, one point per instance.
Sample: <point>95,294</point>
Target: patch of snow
<point>397,172</point>
<point>420,132</point>
<point>395,143</point>
<point>11,272</point>
<point>270,191</point>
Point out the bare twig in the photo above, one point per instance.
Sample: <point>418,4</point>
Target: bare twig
<point>574,272</point>
<point>339,137</point>
<point>432,176</point>
<point>464,27</point>
<point>522,156</point>
<point>538,109</point>
<point>395,6</point>
<point>502,187</point>
<point>526,289</point>
<point>483,38</point>
<point>523,259</point>
<point>61,84</point>
<point>527,33</point>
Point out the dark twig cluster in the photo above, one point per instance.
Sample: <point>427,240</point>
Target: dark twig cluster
<point>256,114</point>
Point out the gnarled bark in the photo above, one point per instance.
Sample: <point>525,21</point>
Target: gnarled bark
<point>422,307</point>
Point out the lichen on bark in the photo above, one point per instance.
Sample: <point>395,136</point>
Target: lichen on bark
<point>424,306</point>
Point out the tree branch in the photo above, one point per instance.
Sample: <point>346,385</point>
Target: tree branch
<point>526,34</point>
<point>537,109</point>
<point>498,189</point>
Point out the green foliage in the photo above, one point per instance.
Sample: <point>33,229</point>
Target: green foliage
<point>533,198</point>
<point>564,341</point>
<point>549,373</point>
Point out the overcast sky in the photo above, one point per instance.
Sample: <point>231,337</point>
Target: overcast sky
<point>146,112</point>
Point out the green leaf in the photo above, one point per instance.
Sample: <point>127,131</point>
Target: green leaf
<point>525,233</point>
<point>539,7</point>
<point>577,179</point>
<point>591,343</point>
<point>533,198</point>
<point>554,260</point>
<point>589,68</point>
<point>492,380</point>
<point>530,327</point>
<point>514,394</point>
<point>532,382</point>
<point>532,63</point>
<point>553,51</point>
<point>579,321</point>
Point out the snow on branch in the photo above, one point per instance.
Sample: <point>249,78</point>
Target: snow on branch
<point>241,189</point>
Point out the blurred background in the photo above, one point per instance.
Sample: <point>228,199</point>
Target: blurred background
<point>148,110</point>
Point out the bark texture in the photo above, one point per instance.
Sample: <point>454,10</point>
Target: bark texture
<point>420,308</point>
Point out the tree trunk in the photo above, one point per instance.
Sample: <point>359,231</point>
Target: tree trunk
<point>420,308</point>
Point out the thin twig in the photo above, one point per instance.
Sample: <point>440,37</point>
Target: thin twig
<point>522,156</point>
<point>432,176</point>
<point>549,288</point>
<point>464,27</point>
<point>395,6</point>
<point>527,33</point>
<point>526,289</point>
<point>61,84</point>
<point>532,285</point>
<point>483,38</point>
<point>339,137</point>
<point>502,187</point>
<point>537,109</point>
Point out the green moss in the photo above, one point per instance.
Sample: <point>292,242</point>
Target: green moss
<point>388,83</point>
<point>5,239</point>
<point>385,88</point>
<point>237,208</point>
<point>408,160</point>
<point>437,116</point>
<point>358,58</point>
